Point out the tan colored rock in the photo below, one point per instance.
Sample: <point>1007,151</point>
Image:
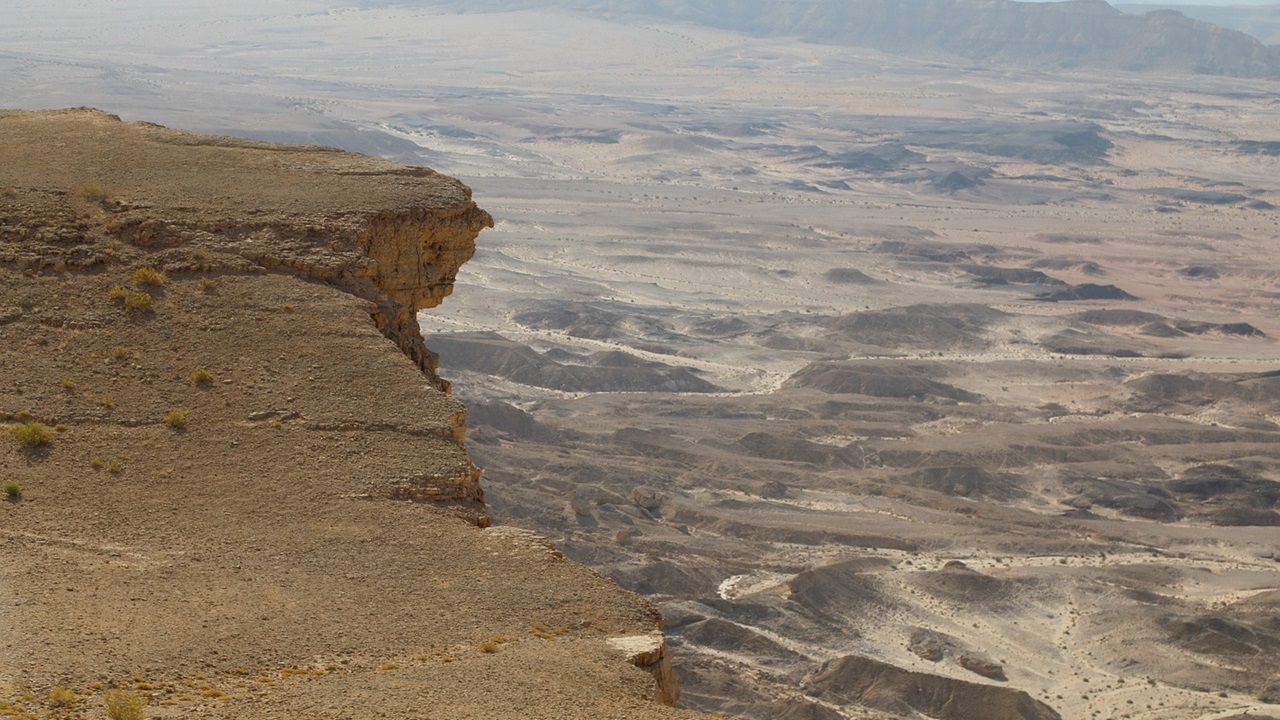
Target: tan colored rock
<point>982,666</point>
<point>649,653</point>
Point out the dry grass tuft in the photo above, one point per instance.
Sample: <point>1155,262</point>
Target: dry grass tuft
<point>148,276</point>
<point>62,697</point>
<point>123,705</point>
<point>132,300</point>
<point>93,192</point>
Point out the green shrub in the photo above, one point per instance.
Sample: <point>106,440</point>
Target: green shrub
<point>208,284</point>
<point>148,275</point>
<point>106,401</point>
<point>202,377</point>
<point>31,433</point>
<point>12,489</point>
<point>115,467</point>
<point>176,419</point>
<point>119,352</point>
<point>122,705</point>
<point>67,383</point>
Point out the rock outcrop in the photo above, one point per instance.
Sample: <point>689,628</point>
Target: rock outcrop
<point>861,680</point>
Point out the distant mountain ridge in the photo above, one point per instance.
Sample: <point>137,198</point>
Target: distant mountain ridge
<point>1260,21</point>
<point>1060,35</point>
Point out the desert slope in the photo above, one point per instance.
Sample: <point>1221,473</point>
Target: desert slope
<point>217,522</point>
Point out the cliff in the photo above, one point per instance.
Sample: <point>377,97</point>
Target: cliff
<point>211,444</point>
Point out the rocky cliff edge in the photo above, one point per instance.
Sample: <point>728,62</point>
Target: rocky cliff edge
<point>209,442</point>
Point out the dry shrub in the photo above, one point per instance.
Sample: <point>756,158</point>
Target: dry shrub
<point>123,705</point>
<point>148,275</point>
<point>32,433</point>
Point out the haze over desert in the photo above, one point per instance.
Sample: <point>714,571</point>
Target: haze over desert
<point>904,382</point>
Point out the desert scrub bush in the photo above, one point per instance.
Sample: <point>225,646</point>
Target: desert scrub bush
<point>137,302</point>
<point>148,276</point>
<point>106,401</point>
<point>96,463</point>
<point>12,489</point>
<point>176,419</point>
<point>32,433</point>
<point>548,632</point>
<point>93,192</point>
<point>115,467</point>
<point>119,352</point>
<point>123,705</point>
<point>202,377</point>
<point>488,647</point>
<point>67,383</point>
<point>132,300</point>
<point>208,284</point>
<point>61,697</point>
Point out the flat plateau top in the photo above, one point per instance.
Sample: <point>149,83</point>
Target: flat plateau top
<point>208,174</point>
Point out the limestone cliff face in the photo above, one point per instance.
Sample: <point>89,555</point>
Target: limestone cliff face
<point>416,257</point>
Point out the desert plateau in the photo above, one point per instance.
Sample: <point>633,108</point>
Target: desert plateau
<point>890,378</point>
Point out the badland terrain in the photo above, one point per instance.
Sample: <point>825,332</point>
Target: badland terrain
<point>903,384</point>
